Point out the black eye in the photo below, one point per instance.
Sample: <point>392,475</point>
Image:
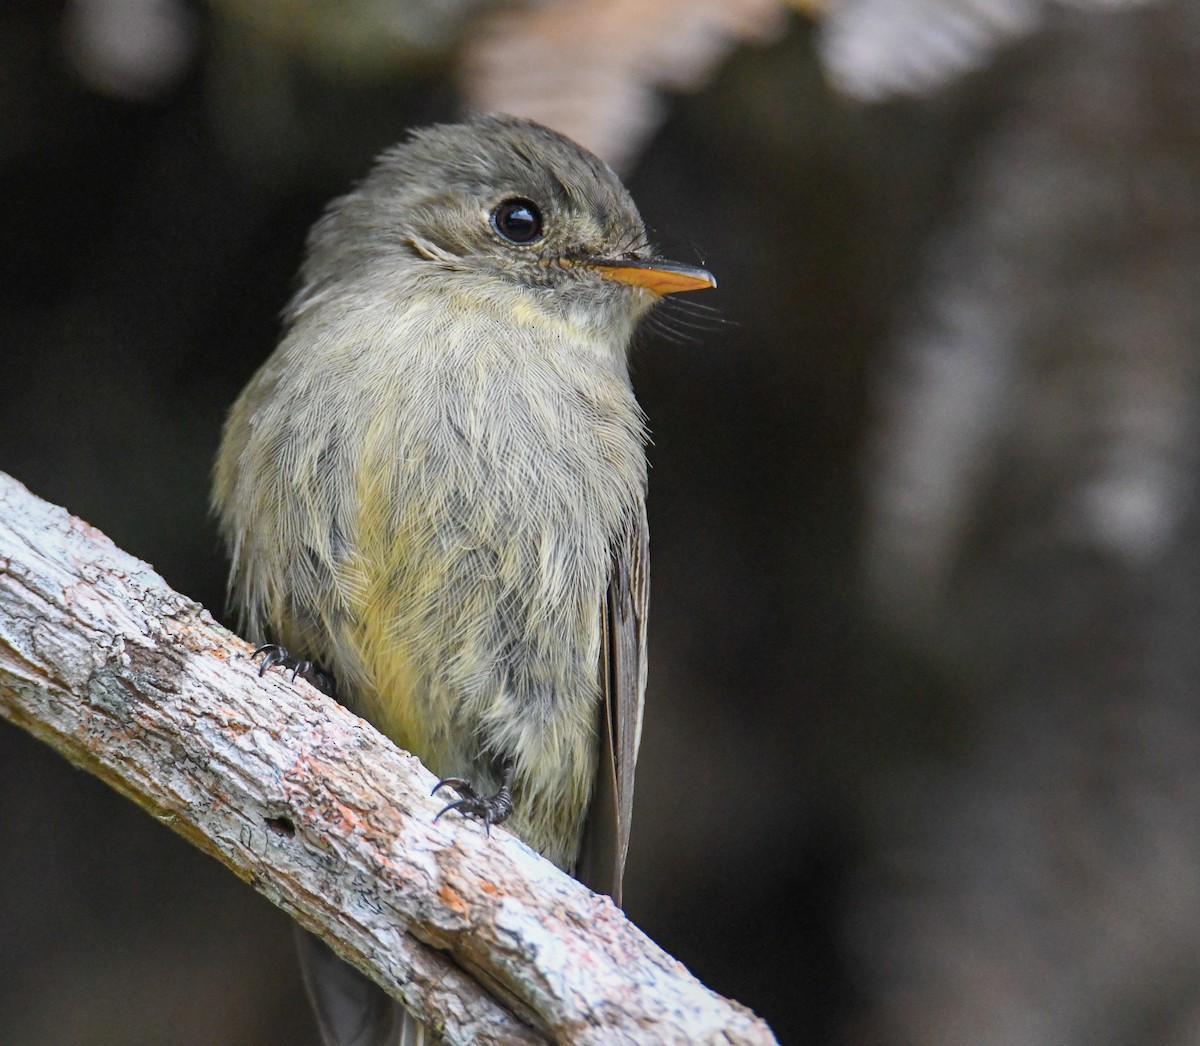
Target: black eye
<point>518,220</point>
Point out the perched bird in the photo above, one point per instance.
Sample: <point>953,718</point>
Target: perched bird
<point>433,492</point>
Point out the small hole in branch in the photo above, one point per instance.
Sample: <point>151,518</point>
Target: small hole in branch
<point>281,826</point>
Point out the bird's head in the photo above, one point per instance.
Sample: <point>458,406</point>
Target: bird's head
<point>504,212</point>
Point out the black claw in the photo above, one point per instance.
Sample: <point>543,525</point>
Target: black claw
<point>274,654</point>
<point>490,809</point>
<point>458,804</point>
<point>450,782</point>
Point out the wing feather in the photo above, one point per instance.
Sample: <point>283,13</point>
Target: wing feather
<point>623,675</point>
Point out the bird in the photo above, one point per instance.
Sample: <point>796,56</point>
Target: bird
<point>433,492</point>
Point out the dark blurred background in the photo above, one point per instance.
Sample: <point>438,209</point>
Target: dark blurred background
<point>922,745</point>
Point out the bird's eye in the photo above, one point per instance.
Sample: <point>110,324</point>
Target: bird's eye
<point>518,220</point>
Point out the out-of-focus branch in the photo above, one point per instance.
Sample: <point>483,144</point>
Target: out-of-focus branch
<point>478,936</point>
<point>542,61</point>
<point>876,50</point>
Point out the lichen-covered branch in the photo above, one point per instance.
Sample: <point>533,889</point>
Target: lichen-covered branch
<point>138,685</point>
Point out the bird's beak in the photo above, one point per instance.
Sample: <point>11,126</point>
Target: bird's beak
<point>657,275</point>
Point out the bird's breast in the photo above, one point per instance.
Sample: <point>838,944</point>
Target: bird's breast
<point>490,482</point>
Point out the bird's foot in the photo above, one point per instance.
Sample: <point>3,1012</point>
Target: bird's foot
<point>273,654</point>
<point>490,809</point>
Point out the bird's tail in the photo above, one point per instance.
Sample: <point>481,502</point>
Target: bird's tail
<point>352,1010</point>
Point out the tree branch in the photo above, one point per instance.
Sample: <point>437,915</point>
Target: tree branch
<point>478,936</point>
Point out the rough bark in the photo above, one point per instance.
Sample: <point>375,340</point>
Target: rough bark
<point>477,935</point>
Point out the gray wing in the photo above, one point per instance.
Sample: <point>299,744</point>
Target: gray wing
<point>623,673</point>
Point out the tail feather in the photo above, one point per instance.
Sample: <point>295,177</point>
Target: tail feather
<point>352,1010</point>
